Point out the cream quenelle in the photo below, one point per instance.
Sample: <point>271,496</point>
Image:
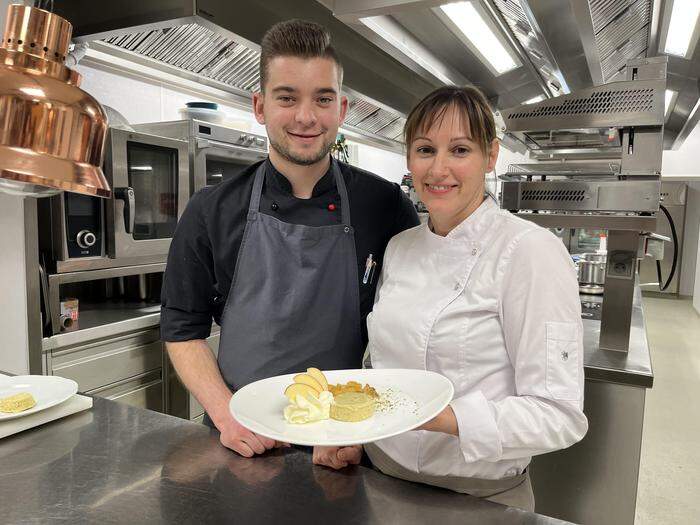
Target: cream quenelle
<point>307,408</point>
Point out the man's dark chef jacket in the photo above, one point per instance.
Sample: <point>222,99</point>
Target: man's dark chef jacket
<point>206,244</point>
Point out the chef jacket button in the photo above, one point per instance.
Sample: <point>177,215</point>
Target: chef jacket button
<point>457,285</point>
<point>474,251</point>
<point>565,356</point>
<point>275,206</point>
<point>346,229</point>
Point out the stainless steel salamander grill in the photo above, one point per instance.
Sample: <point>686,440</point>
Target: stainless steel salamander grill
<point>596,164</point>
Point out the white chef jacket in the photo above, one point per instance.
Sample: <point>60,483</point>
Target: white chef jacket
<point>494,307</point>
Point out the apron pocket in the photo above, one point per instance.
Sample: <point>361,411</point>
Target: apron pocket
<point>562,379</point>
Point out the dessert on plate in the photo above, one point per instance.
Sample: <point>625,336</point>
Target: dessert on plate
<point>311,399</point>
<point>352,407</point>
<point>17,403</point>
<point>352,386</point>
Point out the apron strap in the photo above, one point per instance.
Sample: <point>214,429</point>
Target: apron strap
<point>254,205</point>
<point>343,192</point>
<point>257,188</point>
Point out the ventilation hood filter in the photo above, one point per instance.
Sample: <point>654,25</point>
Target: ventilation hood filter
<point>52,133</point>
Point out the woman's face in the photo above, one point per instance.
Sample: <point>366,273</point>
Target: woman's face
<point>449,168</point>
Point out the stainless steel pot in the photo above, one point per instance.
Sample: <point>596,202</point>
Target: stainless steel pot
<point>591,269</point>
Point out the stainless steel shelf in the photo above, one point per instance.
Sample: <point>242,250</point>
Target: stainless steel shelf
<point>579,220</point>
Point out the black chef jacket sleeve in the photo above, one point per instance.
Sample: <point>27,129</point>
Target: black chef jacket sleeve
<point>188,282</point>
<point>406,215</point>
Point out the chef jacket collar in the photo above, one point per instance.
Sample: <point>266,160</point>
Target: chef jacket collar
<point>471,228</point>
<point>280,182</point>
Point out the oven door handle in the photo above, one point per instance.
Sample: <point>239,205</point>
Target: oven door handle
<point>244,151</point>
<point>127,195</point>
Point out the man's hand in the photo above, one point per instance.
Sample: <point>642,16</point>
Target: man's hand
<point>197,368</point>
<point>239,439</point>
<point>337,457</point>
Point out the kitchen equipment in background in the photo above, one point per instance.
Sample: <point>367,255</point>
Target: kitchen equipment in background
<point>72,227</point>
<point>150,178</point>
<point>673,198</point>
<point>116,119</point>
<point>216,152</point>
<point>597,156</point>
<point>206,111</point>
<point>51,132</point>
<point>151,183</point>
<point>591,273</point>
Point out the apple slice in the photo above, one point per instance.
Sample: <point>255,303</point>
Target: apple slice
<point>318,376</point>
<point>299,389</point>
<point>306,379</point>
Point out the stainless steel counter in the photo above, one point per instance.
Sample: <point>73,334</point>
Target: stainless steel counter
<point>632,368</point>
<point>120,464</point>
<point>627,368</point>
<point>595,480</point>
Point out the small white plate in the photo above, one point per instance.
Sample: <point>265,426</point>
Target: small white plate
<point>415,397</point>
<point>47,390</point>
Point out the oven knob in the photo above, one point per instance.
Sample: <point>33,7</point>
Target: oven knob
<point>249,140</point>
<point>260,142</point>
<point>242,139</point>
<point>85,239</point>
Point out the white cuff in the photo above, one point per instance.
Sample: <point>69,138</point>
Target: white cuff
<point>478,433</point>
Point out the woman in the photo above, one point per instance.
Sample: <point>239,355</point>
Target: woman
<point>486,299</point>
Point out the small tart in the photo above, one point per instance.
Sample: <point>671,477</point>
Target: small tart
<point>352,406</point>
<point>17,403</point>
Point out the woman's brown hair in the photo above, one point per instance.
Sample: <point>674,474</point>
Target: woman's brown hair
<point>469,102</point>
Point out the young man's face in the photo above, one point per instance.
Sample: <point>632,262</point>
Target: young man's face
<point>301,107</point>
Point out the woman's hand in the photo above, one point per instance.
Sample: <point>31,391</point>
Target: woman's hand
<point>337,457</point>
<point>445,422</point>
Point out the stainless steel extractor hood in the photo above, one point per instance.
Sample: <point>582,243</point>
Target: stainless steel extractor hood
<point>213,43</point>
<point>395,51</point>
<point>562,46</point>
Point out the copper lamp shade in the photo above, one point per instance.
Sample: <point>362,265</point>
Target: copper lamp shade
<point>52,133</point>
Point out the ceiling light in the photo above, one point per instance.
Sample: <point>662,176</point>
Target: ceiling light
<point>396,36</point>
<point>670,100</point>
<point>684,17</point>
<point>484,41</point>
<point>538,98</point>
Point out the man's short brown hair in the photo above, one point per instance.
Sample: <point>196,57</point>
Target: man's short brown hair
<point>296,38</point>
<point>471,105</point>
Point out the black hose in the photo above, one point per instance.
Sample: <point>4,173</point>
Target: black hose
<point>675,250</point>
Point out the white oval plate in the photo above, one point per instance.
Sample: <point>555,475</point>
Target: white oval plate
<point>47,390</point>
<point>416,397</point>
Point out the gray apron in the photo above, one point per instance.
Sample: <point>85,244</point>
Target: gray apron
<point>294,300</point>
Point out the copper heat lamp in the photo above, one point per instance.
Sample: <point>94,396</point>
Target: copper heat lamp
<point>52,133</point>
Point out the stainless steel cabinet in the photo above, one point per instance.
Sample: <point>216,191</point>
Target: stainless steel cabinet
<point>145,391</point>
<point>127,367</point>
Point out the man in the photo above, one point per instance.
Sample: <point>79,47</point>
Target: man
<point>276,254</point>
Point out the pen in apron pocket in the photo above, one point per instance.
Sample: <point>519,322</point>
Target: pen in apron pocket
<point>369,270</point>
